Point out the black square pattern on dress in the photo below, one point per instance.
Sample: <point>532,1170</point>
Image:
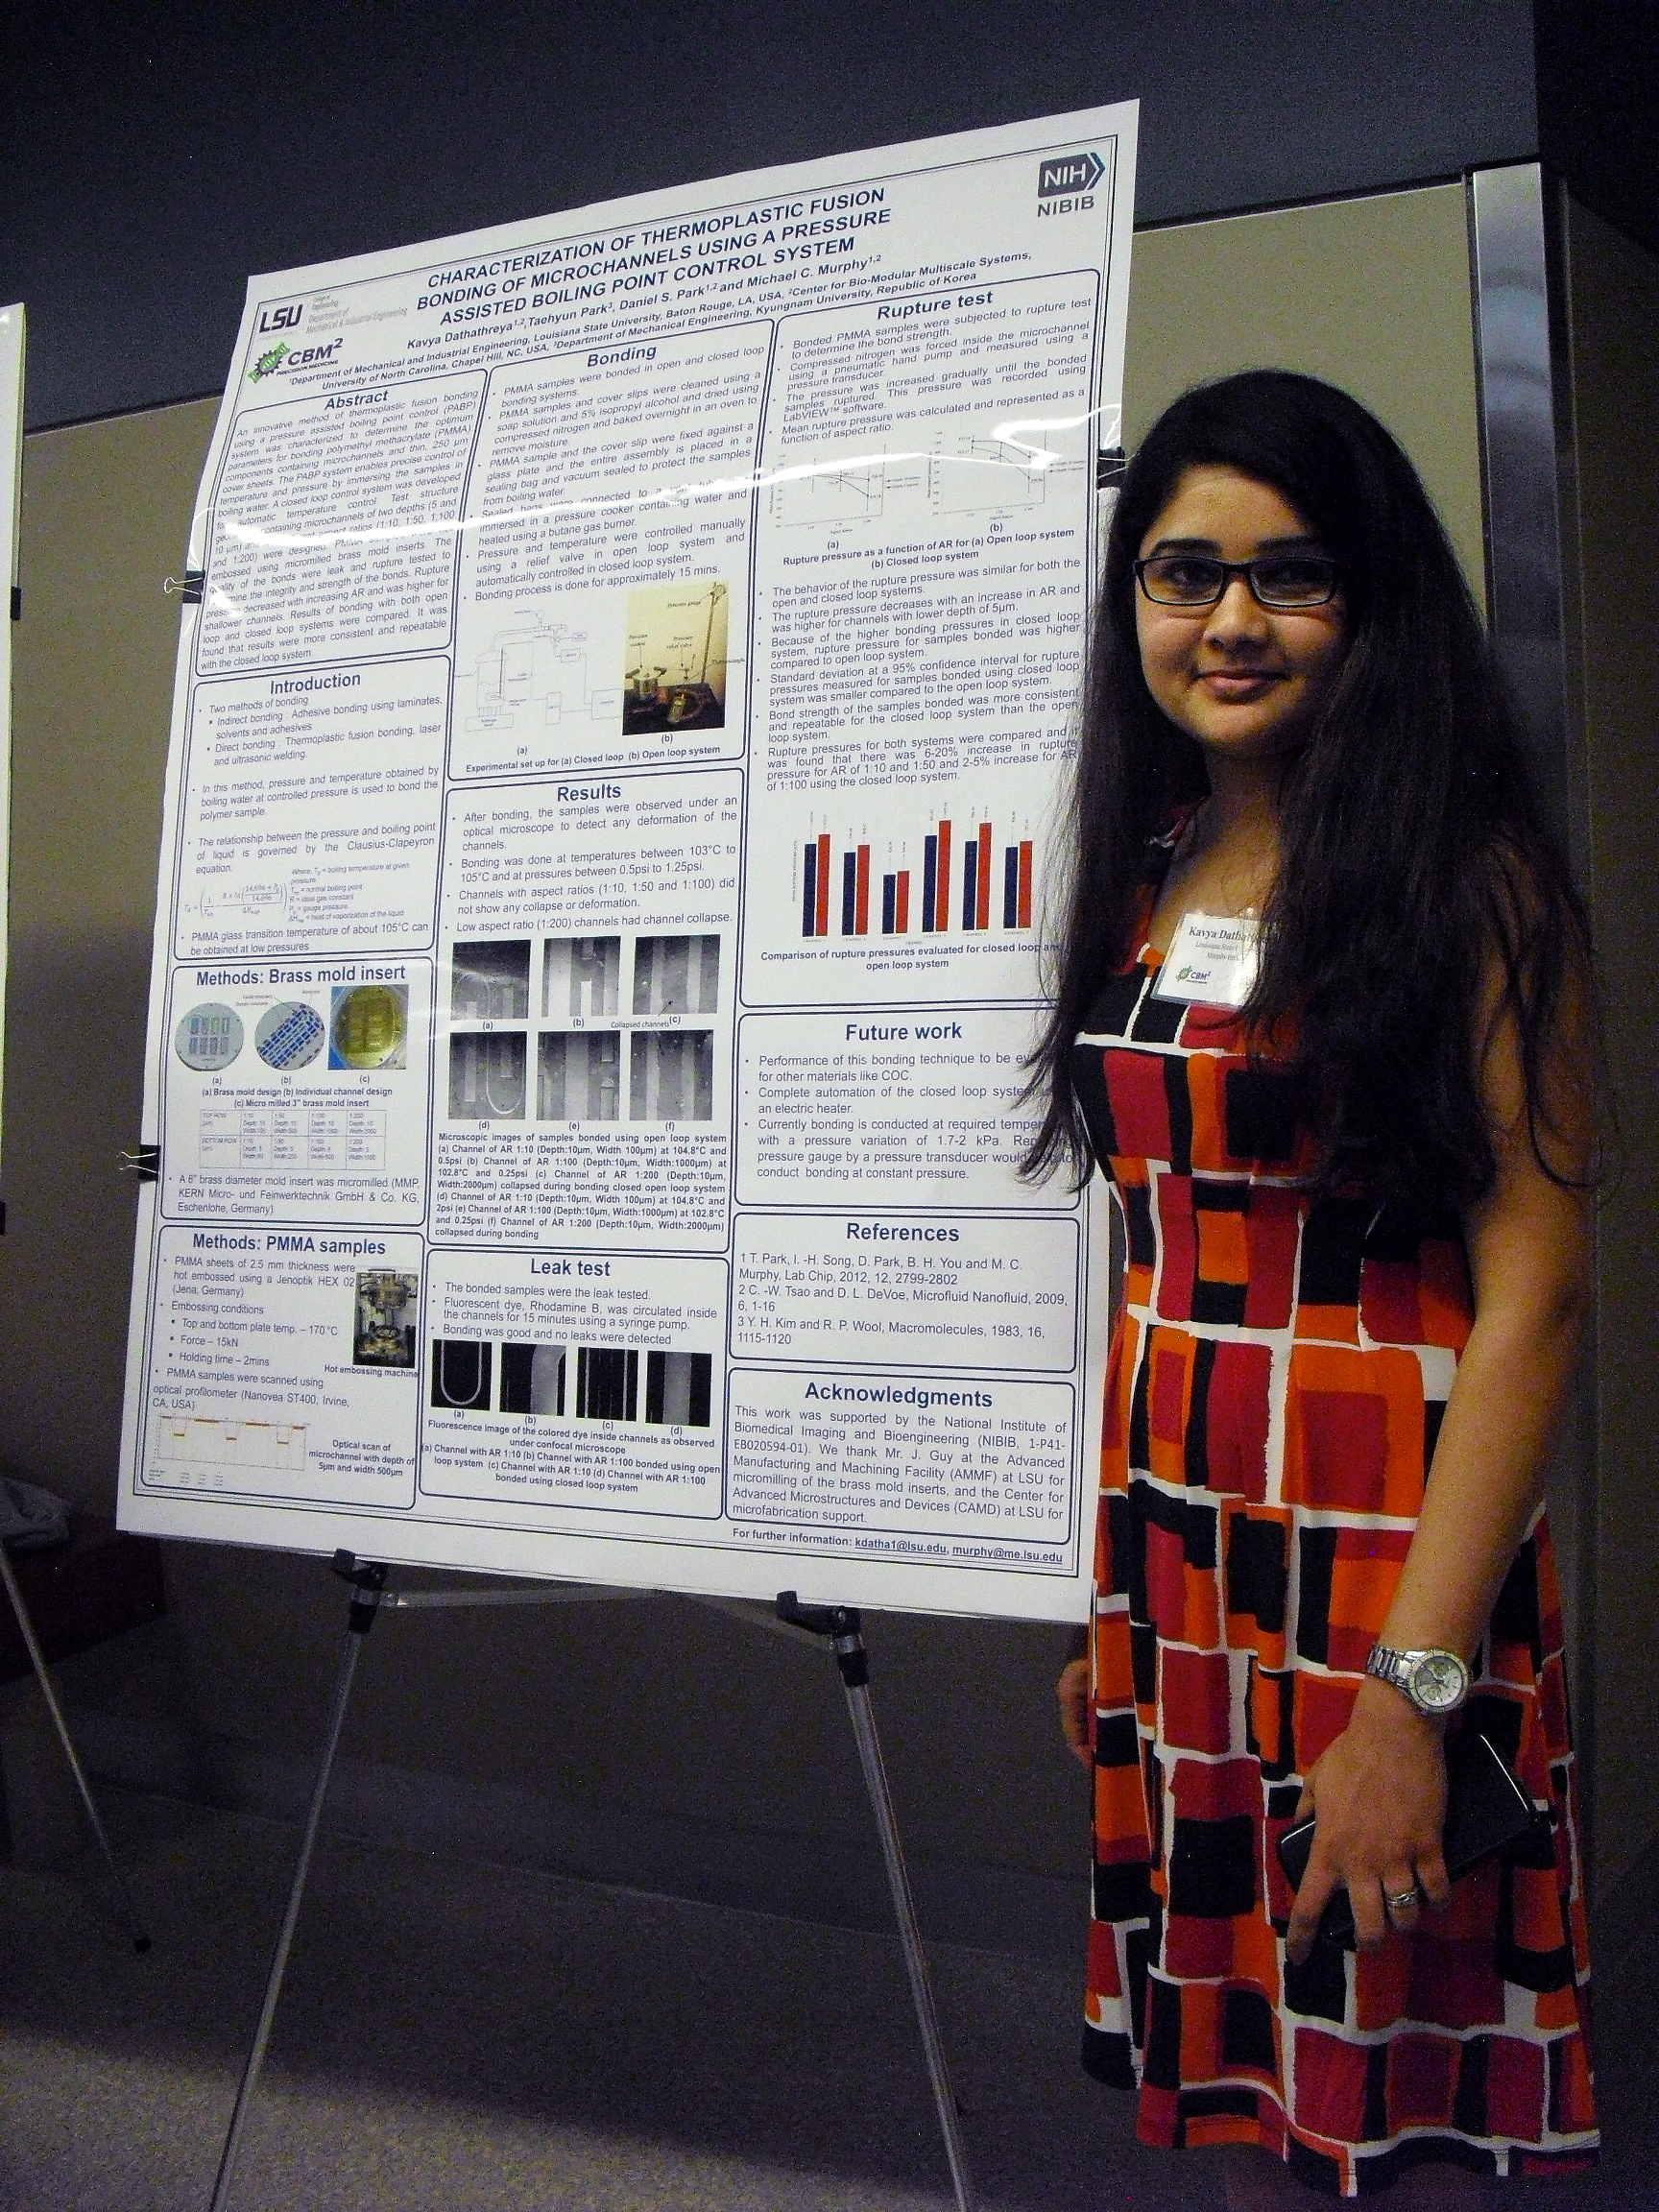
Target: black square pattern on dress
<point>1259,1106</point>
<point>1117,1741</point>
<point>1163,2034</point>
<point>1213,1867</point>
<point>1158,1021</point>
<point>1469,2104</point>
<point>1108,2057</point>
<point>1113,1004</point>
<point>1247,2030</point>
<point>1317,1555</point>
<point>1318,1988</point>
<point>1227,2101</point>
<point>1434,1413</point>
<point>1143,1661</point>
<point>1276,1695</point>
<point>1123,1891</point>
<point>1515,1616</point>
<point>1257,1571</point>
<point>1139,1236</point>
<point>1089,1081</point>
<point>1332,1247</point>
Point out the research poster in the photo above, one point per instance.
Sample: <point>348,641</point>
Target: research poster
<point>631,664</point>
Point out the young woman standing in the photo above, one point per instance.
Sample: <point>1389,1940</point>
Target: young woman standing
<point>1323,1018</point>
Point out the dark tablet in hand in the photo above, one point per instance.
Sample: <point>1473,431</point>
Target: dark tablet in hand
<point>1486,1811</point>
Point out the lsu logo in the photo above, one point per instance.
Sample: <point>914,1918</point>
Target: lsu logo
<point>272,319</point>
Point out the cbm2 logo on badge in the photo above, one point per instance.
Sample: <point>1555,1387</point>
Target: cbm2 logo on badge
<point>1066,182</point>
<point>268,364</point>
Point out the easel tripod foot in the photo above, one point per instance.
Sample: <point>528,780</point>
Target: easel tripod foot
<point>842,1626</point>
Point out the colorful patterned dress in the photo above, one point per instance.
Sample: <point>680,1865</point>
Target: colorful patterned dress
<point>1276,1381</point>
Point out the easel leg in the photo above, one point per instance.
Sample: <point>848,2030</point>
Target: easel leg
<point>37,1659</point>
<point>367,1584</point>
<point>842,1625</point>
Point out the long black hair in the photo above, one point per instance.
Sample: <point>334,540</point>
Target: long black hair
<point>1413,844</point>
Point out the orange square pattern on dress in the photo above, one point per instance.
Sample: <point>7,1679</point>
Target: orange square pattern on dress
<point>1209,1947</point>
<point>1573,2099</point>
<point>1553,2009</point>
<point>1535,1902</point>
<point>1114,1665</point>
<point>1269,1712</point>
<point>1121,1808</point>
<point>1115,1419</point>
<point>1354,1431</point>
<point>1223,1252</point>
<point>1364,1574</point>
<point>1205,1074</point>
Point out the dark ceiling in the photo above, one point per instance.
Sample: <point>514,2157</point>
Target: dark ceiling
<point>155,154</point>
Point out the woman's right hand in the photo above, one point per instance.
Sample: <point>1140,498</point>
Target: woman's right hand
<point>1074,1693</point>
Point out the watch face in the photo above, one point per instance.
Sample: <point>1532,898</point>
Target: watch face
<point>1438,1681</point>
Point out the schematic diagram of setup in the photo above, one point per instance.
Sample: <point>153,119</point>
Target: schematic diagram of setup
<point>534,676</point>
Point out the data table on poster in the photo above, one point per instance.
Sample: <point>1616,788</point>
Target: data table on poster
<point>626,692</point>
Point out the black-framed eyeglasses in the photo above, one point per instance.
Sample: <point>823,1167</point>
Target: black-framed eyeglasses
<point>1281,580</point>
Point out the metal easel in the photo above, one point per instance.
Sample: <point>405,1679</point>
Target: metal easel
<point>839,1626</point>
<point>38,1660</point>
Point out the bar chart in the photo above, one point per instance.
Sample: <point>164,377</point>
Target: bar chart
<point>969,881</point>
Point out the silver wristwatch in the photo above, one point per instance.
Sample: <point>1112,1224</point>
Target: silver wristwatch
<point>1435,1682</point>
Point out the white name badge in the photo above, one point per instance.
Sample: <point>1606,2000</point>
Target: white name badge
<point>1210,960</point>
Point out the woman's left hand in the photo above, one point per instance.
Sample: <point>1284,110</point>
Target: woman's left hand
<point>1379,1794</point>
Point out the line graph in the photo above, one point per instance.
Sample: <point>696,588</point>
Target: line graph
<point>855,493</point>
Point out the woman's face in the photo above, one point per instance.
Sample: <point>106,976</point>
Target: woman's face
<point>1246,680</point>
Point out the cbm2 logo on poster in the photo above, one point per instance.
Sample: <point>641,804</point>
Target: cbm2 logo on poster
<point>1066,182</point>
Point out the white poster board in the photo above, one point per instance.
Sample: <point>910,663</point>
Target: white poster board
<point>601,889</point>
<point>11,335</point>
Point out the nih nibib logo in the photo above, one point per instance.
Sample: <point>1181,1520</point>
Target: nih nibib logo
<point>1066,182</point>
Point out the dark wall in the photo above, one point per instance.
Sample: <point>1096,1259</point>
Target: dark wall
<point>1599,106</point>
<point>154,156</point>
